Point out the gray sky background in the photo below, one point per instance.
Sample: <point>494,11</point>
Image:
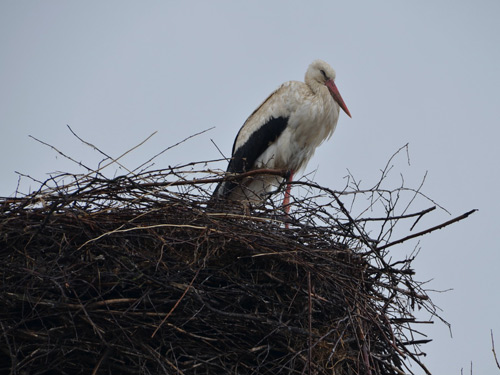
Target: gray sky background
<point>419,72</point>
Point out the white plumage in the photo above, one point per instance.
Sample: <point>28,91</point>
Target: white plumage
<point>283,133</point>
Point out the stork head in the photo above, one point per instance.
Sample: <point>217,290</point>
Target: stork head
<point>320,73</point>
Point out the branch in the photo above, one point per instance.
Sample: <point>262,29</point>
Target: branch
<point>95,148</point>
<point>440,226</point>
<point>493,349</point>
<point>419,214</point>
<point>172,146</point>
<point>227,177</point>
<point>62,153</point>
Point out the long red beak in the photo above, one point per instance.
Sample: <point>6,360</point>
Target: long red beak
<point>334,91</point>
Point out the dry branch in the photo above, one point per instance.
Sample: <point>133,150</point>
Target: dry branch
<point>493,350</point>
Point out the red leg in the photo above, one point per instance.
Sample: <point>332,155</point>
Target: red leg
<point>286,201</point>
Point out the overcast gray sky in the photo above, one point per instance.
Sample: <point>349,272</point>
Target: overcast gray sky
<point>419,72</point>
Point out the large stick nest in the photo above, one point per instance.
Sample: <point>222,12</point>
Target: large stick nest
<point>135,275</point>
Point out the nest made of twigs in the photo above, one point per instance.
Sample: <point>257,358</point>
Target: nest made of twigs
<point>129,275</point>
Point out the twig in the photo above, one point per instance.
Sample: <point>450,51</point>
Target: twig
<point>170,147</point>
<point>218,149</point>
<point>422,213</point>
<point>493,349</point>
<point>99,363</point>
<point>440,226</point>
<point>309,293</point>
<point>141,228</point>
<point>100,168</point>
<point>419,214</point>
<point>95,148</point>
<point>176,303</point>
<point>62,153</point>
<point>227,177</point>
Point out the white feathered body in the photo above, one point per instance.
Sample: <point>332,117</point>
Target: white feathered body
<point>312,119</point>
<point>282,133</point>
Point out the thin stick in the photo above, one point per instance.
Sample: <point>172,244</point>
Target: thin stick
<point>227,177</point>
<point>170,147</point>
<point>100,168</point>
<point>218,149</point>
<point>98,365</point>
<point>96,148</point>
<point>142,228</point>
<point>493,349</point>
<point>62,153</point>
<point>406,216</point>
<point>177,303</point>
<point>309,289</point>
<point>440,226</point>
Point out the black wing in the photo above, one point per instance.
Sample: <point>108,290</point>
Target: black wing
<point>244,157</point>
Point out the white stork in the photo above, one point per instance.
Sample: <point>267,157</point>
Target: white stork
<point>283,133</point>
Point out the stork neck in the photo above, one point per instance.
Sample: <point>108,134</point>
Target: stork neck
<point>314,85</point>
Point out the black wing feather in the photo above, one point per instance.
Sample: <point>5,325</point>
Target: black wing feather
<point>243,158</point>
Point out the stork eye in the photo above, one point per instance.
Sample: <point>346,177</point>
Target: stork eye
<point>324,74</point>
